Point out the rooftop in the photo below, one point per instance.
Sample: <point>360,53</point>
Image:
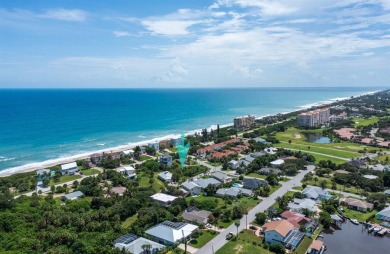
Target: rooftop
<point>283,227</point>
<point>69,166</point>
<point>163,197</point>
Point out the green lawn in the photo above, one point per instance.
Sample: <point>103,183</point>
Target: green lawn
<point>65,178</point>
<point>303,246</point>
<point>247,243</point>
<point>360,216</point>
<point>364,122</point>
<point>143,179</point>
<point>214,164</point>
<point>91,171</point>
<point>145,158</point>
<point>274,188</point>
<point>129,221</point>
<point>206,237</point>
<point>320,149</point>
<point>257,175</point>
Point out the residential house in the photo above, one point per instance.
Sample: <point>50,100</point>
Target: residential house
<point>222,177</point>
<point>136,245</point>
<point>194,214</point>
<point>316,193</point>
<point>175,141</point>
<point>377,167</point>
<point>115,190</point>
<point>267,171</point>
<point>170,233</point>
<point>257,154</point>
<point>155,145</point>
<point>166,160</point>
<point>233,192</point>
<point>299,205</point>
<point>128,172</point>
<point>253,183</point>
<point>42,172</point>
<point>316,247</point>
<point>270,150</point>
<point>192,188</point>
<point>128,152</point>
<point>384,217</point>
<point>277,162</point>
<point>387,192</point>
<point>282,231</point>
<point>114,155</point>
<point>233,164</point>
<point>69,168</point>
<point>163,199</point>
<point>357,204</point>
<point>72,196</point>
<point>165,176</point>
<point>204,182</point>
<point>142,149</point>
<point>261,140</point>
<point>370,177</point>
<point>96,158</point>
<point>297,219</point>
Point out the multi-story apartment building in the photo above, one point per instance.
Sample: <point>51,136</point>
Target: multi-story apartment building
<point>313,118</point>
<point>244,122</point>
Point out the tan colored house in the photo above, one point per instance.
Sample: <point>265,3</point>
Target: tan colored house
<point>357,204</point>
<point>316,247</point>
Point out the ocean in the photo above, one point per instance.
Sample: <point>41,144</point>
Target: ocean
<point>38,125</point>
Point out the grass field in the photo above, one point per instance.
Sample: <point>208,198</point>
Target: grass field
<point>303,246</point>
<point>91,171</point>
<point>257,175</point>
<point>129,221</point>
<point>206,237</point>
<point>364,122</point>
<point>344,150</point>
<point>144,181</point>
<point>247,243</point>
<point>360,216</point>
<point>64,179</point>
<point>145,158</point>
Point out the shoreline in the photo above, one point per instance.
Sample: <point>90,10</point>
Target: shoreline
<point>61,160</point>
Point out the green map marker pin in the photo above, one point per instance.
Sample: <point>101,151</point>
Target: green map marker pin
<point>183,150</point>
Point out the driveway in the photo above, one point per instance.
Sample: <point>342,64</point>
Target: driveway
<point>220,240</point>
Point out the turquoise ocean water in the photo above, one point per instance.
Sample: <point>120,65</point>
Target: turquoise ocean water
<point>40,125</point>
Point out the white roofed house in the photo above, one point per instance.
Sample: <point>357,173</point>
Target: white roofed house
<point>128,172</point>
<point>69,168</point>
<point>299,205</point>
<point>155,145</point>
<point>72,196</point>
<point>233,164</point>
<point>277,162</point>
<point>316,193</point>
<point>128,152</point>
<point>163,199</point>
<point>170,233</point>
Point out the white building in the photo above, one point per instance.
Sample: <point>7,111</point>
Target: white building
<point>69,168</point>
<point>169,233</point>
<point>155,144</point>
<point>128,172</point>
<point>163,199</point>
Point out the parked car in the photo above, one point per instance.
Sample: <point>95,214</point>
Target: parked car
<point>229,236</point>
<point>253,227</point>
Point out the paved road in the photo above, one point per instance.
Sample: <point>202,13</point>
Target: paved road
<point>347,194</point>
<point>220,240</point>
<point>326,155</point>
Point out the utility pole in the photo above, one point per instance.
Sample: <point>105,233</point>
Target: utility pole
<point>185,242</point>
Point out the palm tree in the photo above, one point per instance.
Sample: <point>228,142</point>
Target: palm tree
<point>146,248</point>
<point>237,223</point>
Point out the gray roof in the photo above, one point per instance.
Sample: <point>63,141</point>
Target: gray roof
<point>74,195</point>
<point>166,175</point>
<point>233,192</point>
<point>166,156</point>
<point>41,171</point>
<point>257,154</point>
<point>220,176</point>
<point>314,192</point>
<point>387,192</point>
<point>134,244</point>
<point>259,140</point>
<point>252,183</point>
<point>194,214</point>
<point>249,158</point>
<point>303,204</point>
<point>189,185</point>
<point>385,212</point>
<point>204,182</point>
<point>270,170</point>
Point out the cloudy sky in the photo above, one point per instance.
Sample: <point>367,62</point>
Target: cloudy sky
<point>197,43</point>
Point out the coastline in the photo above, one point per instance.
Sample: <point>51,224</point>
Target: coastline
<point>61,160</point>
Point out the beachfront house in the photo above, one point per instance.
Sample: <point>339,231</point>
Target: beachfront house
<point>166,160</point>
<point>282,231</point>
<point>163,199</point>
<point>72,196</point>
<point>194,214</point>
<point>170,233</point>
<point>253,183</point>
<point>192,188</point>
<point>165,176</point>
<point>316,193</point>
<point>43,172</point>
<point>155,145</point>
<point>356,204</point>
<point>137,245</point>
<point>96,158</point>
<point>127,153</point>
<point>69,168</point>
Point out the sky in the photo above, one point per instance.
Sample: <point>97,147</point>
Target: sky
<point>194,43</point>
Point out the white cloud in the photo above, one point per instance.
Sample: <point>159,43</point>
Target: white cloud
<point>169,27</point>
<point>65,14</point>
<point>121,33</point>
<point>175,73</point>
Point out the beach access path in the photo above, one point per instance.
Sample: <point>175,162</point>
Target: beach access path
<point>220,240</point>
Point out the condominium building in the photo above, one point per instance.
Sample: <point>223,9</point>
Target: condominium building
<point>313,118</point>
<point>244,122</point>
